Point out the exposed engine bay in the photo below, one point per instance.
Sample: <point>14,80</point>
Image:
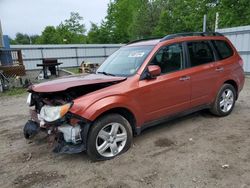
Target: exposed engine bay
<point>63,97</point>
<point>66,132</point>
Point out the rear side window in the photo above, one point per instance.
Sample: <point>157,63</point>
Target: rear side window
<point>223,49</point>
<point>200,52</point>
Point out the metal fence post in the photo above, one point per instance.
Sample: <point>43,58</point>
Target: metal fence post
<point>19,57</point>
<point>77,60</point>
<point>105,51</point>
<point>42,53</point>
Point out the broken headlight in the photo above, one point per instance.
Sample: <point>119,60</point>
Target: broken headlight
<point>53,113</point>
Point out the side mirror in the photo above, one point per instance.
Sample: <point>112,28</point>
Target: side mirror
<point>154,71</point>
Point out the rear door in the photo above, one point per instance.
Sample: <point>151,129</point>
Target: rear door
<point>225,65</point>
<point>202,71</point>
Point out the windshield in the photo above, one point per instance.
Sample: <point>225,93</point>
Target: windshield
<point>125,61</point>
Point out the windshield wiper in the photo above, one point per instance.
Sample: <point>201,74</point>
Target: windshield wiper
<point>106,73</point>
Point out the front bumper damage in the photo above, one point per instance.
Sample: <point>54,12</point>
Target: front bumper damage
<point>50,105</point>
<point>66,135</point>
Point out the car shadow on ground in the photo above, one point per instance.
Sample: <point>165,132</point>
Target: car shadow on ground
<point>150,132</point>
<point>176,122</point>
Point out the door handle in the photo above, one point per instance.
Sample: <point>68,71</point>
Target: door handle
<point>183,78</point>
<point>219,69</point>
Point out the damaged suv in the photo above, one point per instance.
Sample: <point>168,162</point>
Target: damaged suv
<point>142,84</point>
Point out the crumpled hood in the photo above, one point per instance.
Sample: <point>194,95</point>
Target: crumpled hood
<point>67,82</point>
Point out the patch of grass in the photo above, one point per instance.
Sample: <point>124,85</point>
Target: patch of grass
<point>74,70</point>
<point>14,92</point>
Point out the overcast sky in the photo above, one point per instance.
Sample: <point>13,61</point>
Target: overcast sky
<point>31,16</point>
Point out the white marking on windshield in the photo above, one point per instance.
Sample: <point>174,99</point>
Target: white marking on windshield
<point>136,54</point>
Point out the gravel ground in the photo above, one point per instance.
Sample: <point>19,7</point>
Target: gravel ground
<point>187,152</point>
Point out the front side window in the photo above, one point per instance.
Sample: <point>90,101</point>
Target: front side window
<point>125,61</point>
<point>169,58</point>
<point>200,53</point>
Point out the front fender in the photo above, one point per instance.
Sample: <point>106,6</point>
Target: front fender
<point>100,106</point>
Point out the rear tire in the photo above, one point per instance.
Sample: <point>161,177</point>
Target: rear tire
<point>109,136</point>
<point>225,101</point>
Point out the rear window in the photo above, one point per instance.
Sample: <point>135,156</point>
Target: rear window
<point>223,49</point>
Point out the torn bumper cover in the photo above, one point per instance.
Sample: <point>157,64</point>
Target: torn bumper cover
<point>66,135</point>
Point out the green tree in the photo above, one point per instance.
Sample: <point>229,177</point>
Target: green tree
<point>70,31</point>
<point>145,19</point>
<point>115,28</point>
<point>22,39</point>
<point>50,35</point>
<point>233,13</point>
<point>135,19</point>
<point>34,39</point>
<point>186,16</point>
<point>120,18</point>
<point>94,34</point>
<point>73,24</point>
<point>12,41</point>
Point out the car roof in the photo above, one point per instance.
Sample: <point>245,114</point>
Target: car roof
<point>144,42</point>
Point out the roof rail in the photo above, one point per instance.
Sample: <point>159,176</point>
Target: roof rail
<point>172,36</point>
<point>140,40</point>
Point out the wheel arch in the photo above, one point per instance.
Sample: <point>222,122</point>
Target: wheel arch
<point>125,112</point>
<point>234,84</point>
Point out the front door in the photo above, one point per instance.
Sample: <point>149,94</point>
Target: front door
<point>170,92</point>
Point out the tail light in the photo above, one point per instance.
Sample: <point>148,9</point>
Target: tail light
<point>241,62</point>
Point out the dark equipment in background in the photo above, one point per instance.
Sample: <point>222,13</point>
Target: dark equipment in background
<point>50,64</point>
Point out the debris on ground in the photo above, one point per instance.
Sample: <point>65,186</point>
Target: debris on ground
<point>27,157</point>
<point>225,166</point>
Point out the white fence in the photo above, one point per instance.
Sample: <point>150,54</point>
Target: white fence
<point>240,37</point>
<point>69,55</point>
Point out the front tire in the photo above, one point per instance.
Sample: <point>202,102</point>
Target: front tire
<point>225,101</point>
<point>110,135</point>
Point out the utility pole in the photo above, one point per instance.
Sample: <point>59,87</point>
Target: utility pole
<point>30,40</point>
<point>216,21</point>
<point>1,36</point>
<point>204,23</point>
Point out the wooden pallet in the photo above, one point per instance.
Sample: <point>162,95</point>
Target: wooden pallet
<point>15,67</point>
<point>14,70</point>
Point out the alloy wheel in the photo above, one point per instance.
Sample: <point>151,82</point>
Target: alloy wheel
<point>111,139</point>
<point>226,100</point>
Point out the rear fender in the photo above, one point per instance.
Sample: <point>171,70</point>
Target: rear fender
<point>236,76</point>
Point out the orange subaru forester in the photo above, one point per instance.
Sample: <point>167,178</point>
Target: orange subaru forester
<point>140,85</point>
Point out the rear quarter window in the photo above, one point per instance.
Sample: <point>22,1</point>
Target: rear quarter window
<point>223,48</point>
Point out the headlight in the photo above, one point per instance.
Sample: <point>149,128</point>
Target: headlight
<point>29,99</point>
<point>52,113</point>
